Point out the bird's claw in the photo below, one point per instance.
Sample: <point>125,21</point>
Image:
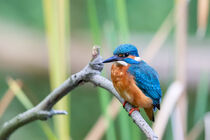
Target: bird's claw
<point>133,109</point>
<point>124,104</point>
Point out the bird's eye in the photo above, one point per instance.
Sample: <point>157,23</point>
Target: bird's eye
<point>126,54</point>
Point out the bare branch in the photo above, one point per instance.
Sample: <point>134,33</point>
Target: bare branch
<point>43,111</point>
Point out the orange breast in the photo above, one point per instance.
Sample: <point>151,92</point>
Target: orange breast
<point>125,85</point>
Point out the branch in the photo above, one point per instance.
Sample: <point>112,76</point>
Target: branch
<point>43,111</point>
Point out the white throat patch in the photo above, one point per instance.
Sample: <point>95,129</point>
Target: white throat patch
<point>125,64</point>
<point>122,63</point>
<point>137,59</point>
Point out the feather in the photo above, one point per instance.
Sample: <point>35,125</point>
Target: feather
<point>147,80</point>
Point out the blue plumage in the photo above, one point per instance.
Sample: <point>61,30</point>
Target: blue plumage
<point>124,48</point>
<point>145,76</point>
<point>147,80</point>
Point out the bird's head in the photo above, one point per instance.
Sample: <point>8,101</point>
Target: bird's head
<point>124,54</point>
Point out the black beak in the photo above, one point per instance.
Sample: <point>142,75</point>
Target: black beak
<point>112,59</point>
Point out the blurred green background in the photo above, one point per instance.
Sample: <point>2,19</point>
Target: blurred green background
<point>143,16</point>
<point>24,55</point>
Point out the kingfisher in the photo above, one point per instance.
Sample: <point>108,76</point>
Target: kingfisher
<point>135,81</point>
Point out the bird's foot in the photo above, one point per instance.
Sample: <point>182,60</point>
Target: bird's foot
<point>133,109</point>
<point>124,104</point>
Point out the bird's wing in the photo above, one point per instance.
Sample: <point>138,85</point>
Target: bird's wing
<point>147,80</point>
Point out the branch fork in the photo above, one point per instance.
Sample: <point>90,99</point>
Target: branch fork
<point>43,111</point>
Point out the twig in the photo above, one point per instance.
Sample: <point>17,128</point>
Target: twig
<point>43,111</point>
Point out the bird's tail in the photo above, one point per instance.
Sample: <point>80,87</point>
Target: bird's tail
<point>150,113</point>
